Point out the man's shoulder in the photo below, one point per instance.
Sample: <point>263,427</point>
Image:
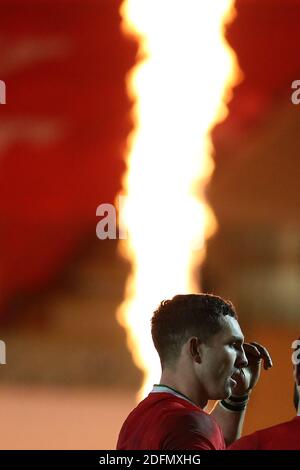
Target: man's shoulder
<point>195,427</point>
<point>180,410</point>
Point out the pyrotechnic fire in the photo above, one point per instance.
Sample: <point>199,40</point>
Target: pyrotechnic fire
<point>180,87</point>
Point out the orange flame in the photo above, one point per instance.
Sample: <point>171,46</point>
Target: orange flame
<point>178,89</point>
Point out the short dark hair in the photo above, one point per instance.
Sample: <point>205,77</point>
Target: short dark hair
<point>184,316</point>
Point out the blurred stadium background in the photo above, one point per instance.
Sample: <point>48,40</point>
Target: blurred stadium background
<point>69,380</point>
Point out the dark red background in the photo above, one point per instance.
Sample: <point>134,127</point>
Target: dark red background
<point>49,190</point>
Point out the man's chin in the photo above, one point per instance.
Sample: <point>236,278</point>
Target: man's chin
<point>231,384</point>
<point>227,392</point>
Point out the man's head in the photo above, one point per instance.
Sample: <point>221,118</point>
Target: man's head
<point>198,336</point>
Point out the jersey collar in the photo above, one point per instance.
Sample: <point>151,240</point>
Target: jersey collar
<point>160,388</point>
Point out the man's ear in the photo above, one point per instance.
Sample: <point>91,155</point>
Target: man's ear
<point>195,349</point>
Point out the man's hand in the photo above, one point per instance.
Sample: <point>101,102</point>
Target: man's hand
<point>248,376</point>
<point>232,422</point>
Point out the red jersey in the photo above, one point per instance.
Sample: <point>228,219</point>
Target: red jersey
<point>166,420</point>
<point>284,436</point>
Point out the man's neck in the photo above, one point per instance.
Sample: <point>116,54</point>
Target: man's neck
<point>186,387</point>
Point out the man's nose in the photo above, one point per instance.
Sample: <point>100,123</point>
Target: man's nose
<point>242,360</point>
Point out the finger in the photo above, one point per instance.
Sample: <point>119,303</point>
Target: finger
<point>268,363</point>
<point>251,350</point>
